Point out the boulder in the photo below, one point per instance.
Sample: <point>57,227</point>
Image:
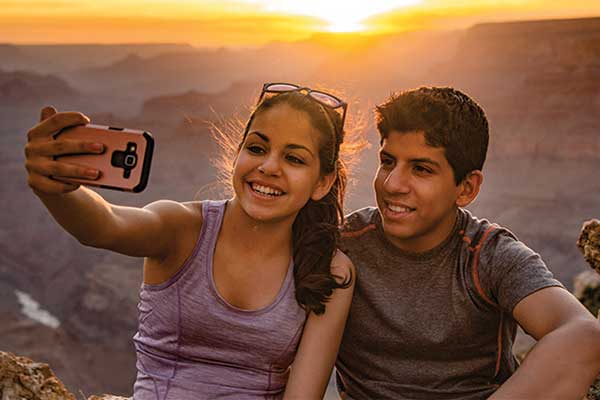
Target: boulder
<point>24,379</point>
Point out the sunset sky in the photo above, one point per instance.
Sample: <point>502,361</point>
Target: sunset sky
<point>254,22</point>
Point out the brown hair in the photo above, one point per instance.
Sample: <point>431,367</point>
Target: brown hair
<point>448,118</point>
<point>315,232</point>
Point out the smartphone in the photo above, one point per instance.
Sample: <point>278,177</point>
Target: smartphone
<point>125,163</point>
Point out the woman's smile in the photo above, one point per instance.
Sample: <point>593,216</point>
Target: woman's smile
<point>265,191</point>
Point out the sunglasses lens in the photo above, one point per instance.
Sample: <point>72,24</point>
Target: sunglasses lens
<point>281,87</point>
<point>326,99</point>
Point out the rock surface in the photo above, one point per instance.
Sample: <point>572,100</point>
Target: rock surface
<point>587,284</point>
<point>24,379</point>
<point>589,243</point>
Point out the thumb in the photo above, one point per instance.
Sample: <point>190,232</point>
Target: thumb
<point>47,112</point>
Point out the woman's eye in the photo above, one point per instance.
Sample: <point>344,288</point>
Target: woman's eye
<point>255,149</point>
<point>295,159</point>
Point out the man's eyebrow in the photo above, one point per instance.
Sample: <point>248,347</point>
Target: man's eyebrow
<point>425,160</point>
<point>386,154</point>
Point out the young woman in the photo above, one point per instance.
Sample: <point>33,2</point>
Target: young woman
<point>245,298</point>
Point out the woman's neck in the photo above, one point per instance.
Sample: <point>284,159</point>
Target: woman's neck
<point>246,234</point>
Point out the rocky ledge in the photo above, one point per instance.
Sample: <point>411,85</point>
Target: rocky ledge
<point>24,379</point>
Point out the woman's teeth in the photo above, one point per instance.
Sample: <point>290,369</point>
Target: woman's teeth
<point>265,190</point>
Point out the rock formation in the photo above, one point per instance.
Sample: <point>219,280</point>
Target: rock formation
<point>589,243</point>
<point>587,284</point>
<point>21,378</point>
<point>24,379</point>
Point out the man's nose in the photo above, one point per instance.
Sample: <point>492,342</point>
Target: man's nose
<point>397,181</point>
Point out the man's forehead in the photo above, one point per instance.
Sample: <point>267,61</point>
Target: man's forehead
<point>404,139</point>
<point>412,146</point>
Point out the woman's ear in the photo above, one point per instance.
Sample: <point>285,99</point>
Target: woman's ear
<point>468,189</point>
<point>323,186</point>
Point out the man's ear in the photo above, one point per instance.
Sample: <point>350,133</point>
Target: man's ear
<point>468,189</point>
<point>323,186</point>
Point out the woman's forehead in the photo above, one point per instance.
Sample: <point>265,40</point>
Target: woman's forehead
<point>285,124</point>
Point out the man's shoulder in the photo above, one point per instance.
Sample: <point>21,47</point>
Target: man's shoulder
<point>484,233</point>
<point>359,222</point>
<point>497,247</point>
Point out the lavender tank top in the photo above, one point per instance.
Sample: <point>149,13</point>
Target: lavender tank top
<point>192,344</point>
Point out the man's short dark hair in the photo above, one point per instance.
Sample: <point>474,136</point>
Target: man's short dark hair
<point>448,118</point>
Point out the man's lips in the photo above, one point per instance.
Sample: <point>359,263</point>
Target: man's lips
<point>399,208</point>
<point>397,211</point>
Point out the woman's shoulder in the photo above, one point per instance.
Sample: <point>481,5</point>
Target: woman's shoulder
<point>342,266</point>
<point>177,213</point>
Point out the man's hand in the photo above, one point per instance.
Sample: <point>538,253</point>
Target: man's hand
<point>566,359</point>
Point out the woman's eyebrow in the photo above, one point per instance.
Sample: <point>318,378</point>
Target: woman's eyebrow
<point>260,135</point>
<point>299,147</point>
<point>292,146</point>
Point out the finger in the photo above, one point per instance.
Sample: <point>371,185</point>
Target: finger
<point>47,112</point>
<point>56,123</point>
<point>41,184</point>
<point>62,169</point>
<point>53,148</point>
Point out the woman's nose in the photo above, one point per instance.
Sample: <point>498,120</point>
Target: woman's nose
<point>270,166</point>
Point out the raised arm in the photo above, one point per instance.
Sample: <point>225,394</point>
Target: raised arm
<point>147,232</point>
<point>321,340</point>
<point>565,361</point>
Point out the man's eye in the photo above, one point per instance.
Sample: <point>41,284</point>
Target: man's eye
<point>385,162</point>
<point>422,170</point>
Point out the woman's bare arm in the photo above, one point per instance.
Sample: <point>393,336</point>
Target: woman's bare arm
<point>321,340</point>
<point>141,232</point>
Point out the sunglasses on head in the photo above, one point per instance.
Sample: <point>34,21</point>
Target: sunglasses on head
<point>325,99</point>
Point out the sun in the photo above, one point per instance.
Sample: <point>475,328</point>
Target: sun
<point>340,15</point>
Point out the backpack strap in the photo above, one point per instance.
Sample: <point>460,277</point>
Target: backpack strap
<point>475,247</point>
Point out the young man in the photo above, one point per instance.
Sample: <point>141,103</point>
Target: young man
<point>440,292</point>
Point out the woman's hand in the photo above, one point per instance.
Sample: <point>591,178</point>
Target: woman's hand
<point>41,148</point>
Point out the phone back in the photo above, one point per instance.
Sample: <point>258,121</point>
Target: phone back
<point>125,163</point>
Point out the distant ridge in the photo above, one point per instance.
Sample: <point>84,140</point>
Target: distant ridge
<point>60,58</point>
<point>559,25</point>
<point>25,88</point>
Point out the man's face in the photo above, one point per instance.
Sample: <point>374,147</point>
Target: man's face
<point>416,193</point>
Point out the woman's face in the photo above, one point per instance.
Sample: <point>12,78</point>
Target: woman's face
<point>278,168</point>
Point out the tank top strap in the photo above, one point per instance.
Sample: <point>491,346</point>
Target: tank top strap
<point>212,217</point>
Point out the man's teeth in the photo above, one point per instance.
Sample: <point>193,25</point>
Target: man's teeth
<point>266,190</point>
<point>399,208</point>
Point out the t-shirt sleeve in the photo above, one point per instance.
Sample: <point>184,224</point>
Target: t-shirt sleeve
<point>509,271</point>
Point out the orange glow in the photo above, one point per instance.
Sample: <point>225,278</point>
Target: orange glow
<point>254,22</point>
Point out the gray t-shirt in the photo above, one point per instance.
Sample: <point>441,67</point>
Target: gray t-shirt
<point>434,325</point>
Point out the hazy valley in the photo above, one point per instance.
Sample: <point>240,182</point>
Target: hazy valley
<point>539,83</point>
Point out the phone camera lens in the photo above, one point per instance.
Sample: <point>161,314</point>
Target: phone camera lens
<point>129,160</point>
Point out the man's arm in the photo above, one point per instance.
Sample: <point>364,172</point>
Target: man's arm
<point>566,359</point>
